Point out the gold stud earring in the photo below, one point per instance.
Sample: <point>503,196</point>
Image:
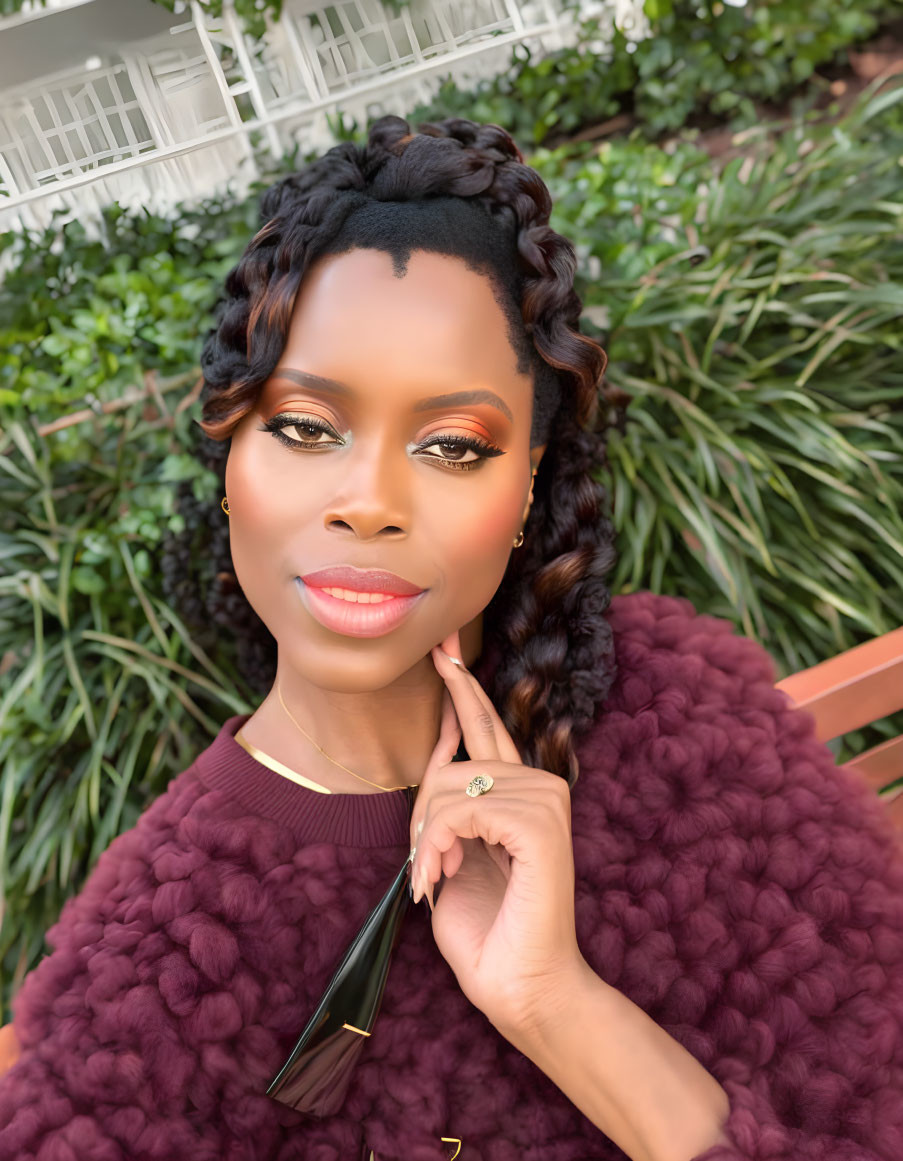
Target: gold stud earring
<point>224,504</point>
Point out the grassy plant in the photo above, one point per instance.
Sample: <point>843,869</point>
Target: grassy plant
<point>106,696</point>
<point>752,316</point>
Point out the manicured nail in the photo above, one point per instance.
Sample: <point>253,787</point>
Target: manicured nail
<point>453,660</point>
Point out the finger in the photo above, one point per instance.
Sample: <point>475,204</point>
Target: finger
<point>508,752</point>
<point>536,790</point>
<point>452,859</point>
<point>470,856</point>
<point>500,857</point>
<point>451,779</point>
<point>445,749</point>
<point>481,726</point>
<point>523,827</point>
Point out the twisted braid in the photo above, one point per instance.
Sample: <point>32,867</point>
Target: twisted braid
<point>556,660</point>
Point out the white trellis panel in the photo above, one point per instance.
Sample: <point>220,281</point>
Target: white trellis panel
<point>66,124</point>
<point>170,118</point>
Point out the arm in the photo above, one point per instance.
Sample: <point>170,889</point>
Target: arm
<point>808,1023</point>
<point>626,1074</point>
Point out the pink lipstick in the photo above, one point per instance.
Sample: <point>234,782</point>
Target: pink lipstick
<point>343,614</point>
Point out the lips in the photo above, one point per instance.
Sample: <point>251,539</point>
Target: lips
<point>353,619</point>
<point>359,580</point>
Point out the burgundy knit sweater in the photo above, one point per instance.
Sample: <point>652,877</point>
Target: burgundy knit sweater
<point>731,880</point>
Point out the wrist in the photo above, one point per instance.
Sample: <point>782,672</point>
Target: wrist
<point>622,1070</point>
<point>538,1017</point>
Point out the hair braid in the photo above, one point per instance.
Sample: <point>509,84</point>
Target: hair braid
<point>556,650</point>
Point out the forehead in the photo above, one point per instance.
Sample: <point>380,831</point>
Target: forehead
<point>439,313</point>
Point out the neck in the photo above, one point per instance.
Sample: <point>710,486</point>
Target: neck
<point>384,735</point>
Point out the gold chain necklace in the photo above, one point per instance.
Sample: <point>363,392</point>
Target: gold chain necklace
<point>333,760</point>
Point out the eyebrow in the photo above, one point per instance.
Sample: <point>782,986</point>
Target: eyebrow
<point>309,379</point>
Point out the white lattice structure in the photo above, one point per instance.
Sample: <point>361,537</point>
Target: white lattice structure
<point>119,100</point>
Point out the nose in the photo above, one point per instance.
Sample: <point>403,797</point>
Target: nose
<point>373,496</point>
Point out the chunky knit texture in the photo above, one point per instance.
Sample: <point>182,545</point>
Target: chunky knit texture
<point>731,880</point>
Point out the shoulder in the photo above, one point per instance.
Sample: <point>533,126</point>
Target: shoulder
<point>694,740</point>
<point>666,640</point>
<point>738,885</point>
<point>152,920</point>
<point>125,868</point>
<point>706,799</point>
<point>95,938</point>
<point>684,679</point>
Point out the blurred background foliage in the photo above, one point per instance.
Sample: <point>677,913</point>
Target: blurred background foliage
<point>751,311</point>
<point>704,61</point>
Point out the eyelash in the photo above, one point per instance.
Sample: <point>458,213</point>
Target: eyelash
<point>485,450</point>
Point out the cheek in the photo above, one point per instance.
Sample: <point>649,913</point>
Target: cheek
<point>498,517</point>
<point>258,484</point>
<point>495,524</point>
<point>259,501</point>
<point>477,539</point>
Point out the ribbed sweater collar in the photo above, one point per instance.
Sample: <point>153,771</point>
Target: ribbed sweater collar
<point>359,820</point>
<point>375,819</point>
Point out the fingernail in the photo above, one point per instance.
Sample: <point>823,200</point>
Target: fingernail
<point>453,660</point>
<point>428,895</point>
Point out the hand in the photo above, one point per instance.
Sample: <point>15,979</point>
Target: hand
<point>504,919</point>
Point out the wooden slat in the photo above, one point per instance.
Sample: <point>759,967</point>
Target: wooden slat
<point>9,1048</point>
<point>853,689</point>
<point>881,765</point>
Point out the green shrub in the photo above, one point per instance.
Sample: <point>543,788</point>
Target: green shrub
<point>704,58</point>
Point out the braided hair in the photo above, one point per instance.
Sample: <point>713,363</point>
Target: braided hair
<point>545,622</point>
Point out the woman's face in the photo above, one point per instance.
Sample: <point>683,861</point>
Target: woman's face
<point>400,363</point>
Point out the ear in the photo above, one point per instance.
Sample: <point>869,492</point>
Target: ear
<point>536,454</point>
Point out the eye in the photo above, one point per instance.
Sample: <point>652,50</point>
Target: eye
<point>303,423</point>
<point>461,443</point>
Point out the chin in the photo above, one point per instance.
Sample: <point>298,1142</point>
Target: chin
<point>348,670</point>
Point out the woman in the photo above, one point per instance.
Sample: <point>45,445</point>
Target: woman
<point>668,927</point>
